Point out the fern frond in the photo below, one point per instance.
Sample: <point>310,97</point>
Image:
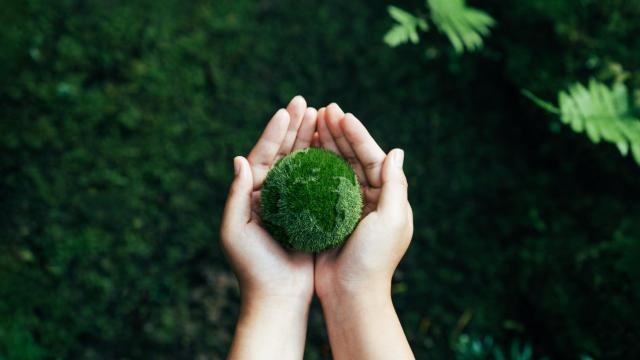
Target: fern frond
<point>406,28</point>
<point>599,111</point>
<point>465,26</point>
<point>541,103</point>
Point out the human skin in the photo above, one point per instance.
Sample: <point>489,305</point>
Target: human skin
<point>276,285</point>
<point>353,283</point>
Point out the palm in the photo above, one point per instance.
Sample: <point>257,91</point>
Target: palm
<point>288,272</point>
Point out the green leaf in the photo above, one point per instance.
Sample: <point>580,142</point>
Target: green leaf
<point>635,150</point>
<point>465,26</point>
<point>396,36</point>
<point>623,147</point>
<point>406,28</point>
<point>399,15</point>
<point>602,112</point>
<point>541,103</point>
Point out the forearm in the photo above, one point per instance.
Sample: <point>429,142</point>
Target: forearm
<point>365,326</point>
<point>270,328</point>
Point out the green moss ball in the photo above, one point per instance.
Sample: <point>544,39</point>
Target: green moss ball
<point>311,200</point>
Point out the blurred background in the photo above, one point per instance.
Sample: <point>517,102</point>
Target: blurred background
<point>119,121</point>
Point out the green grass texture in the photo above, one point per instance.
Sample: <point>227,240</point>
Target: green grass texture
<point>311,200</point>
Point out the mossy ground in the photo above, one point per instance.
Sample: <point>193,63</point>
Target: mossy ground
<point>311,200</point>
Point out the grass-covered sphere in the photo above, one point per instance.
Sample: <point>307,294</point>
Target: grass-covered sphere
<point>311,200</point>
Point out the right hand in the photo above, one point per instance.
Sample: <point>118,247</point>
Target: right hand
<point>264,269</point>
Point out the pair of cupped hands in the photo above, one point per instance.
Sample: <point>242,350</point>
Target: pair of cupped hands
<point>363,267</point>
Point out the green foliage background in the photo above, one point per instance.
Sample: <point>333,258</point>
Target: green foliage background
<point>120,119</point>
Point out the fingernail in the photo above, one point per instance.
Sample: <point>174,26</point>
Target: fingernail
<point>236,166</point>
<point>398,158</point>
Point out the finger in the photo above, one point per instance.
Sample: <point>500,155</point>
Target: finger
<point>410,217</point>
<point>334,116</point>
<point>371,196</point>
<point>316,140</point>
<point>366,149</point>
<point>307,129</point>
<point>237,211</point>
<point>255,204</point>
<point>296,110</point>
<point>393,197</point>
<point>326,140</point>
<point>264,153</point>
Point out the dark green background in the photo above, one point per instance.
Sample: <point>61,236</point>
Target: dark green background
<point>119,120</point>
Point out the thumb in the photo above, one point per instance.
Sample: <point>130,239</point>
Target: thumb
<point>237,211</point>
<point>393,197</point>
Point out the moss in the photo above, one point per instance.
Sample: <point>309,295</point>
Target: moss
<point>311,200</point>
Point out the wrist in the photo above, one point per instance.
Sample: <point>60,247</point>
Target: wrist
<point>335,284</point>
<point>264,318</point>
<point>364,325</point>
<point>372,295</point>
<point>276,293</point>
<point>278,313</point>
<point>278,303</point>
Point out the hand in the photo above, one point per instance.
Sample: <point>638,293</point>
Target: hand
<point>371,254</point>
<point>276,285</point>
<point>354,282</point>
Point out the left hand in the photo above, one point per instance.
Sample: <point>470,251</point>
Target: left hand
<point>368,259</point>
<point>354,282</point>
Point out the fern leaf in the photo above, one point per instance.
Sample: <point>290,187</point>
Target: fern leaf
<point>541,103</point>
<point>463,25</point>
<point>400,15</point>
<point>635,150</point>
<point>396,36</point>
<point>602,112</point>
<point>406,28</point>
<point>623,147</point>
